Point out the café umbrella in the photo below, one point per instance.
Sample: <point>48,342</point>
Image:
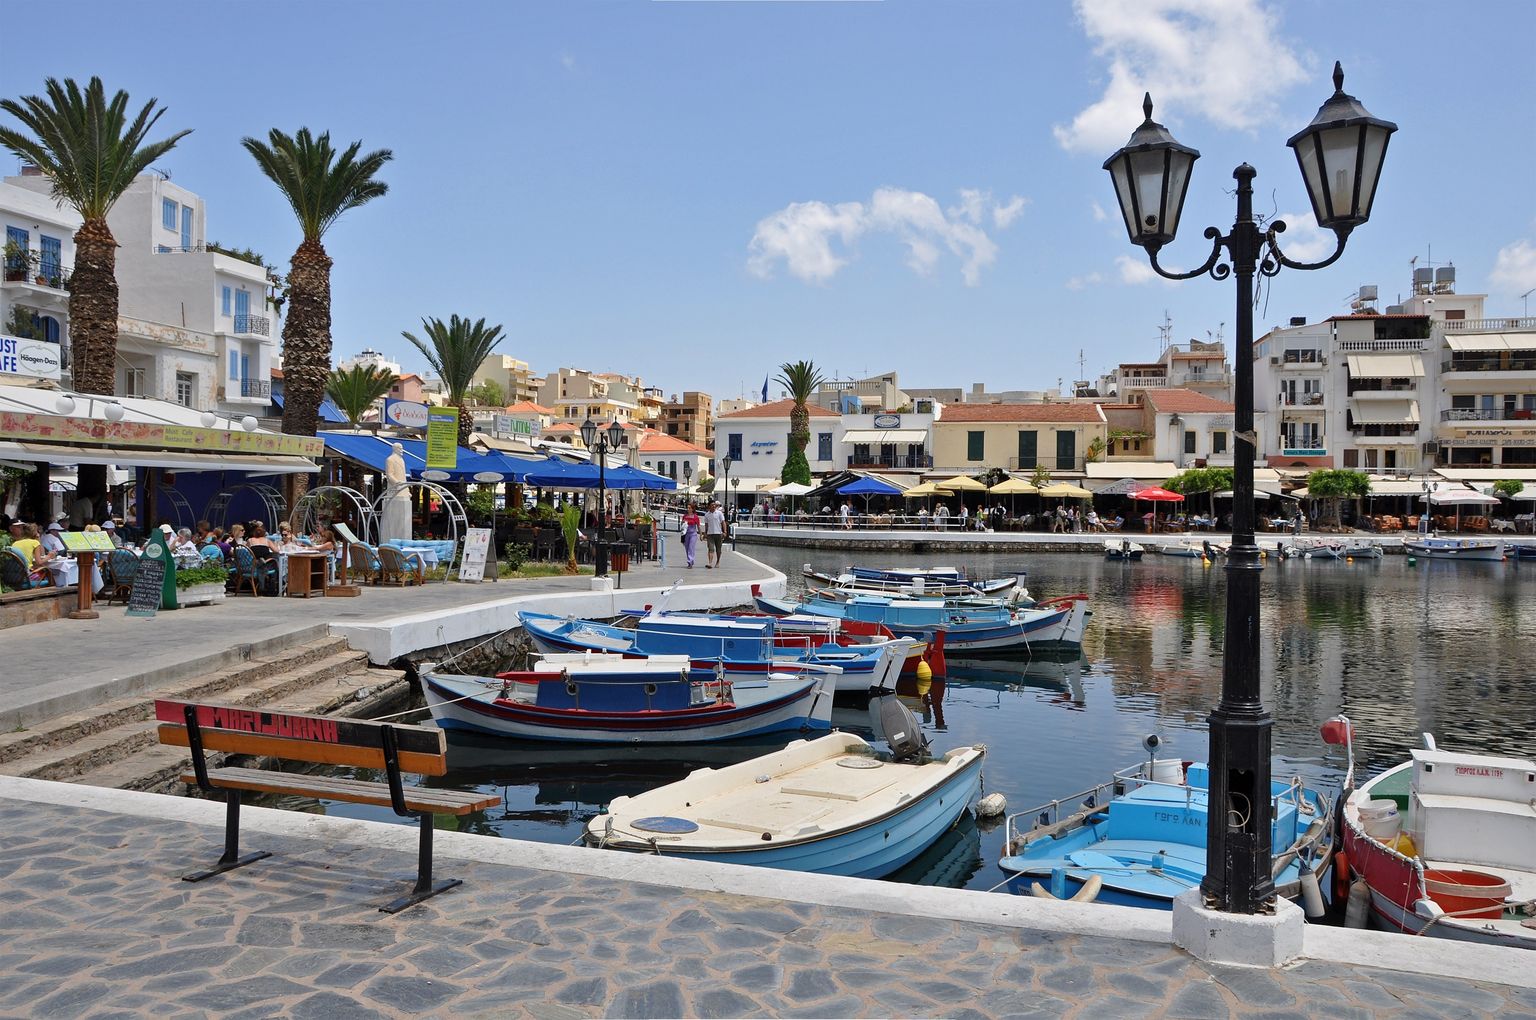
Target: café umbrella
<point>1156,494</point>
<point>1012,487</point>
<point>868,487</point>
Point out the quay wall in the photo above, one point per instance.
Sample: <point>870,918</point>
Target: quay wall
<point>956,541</point>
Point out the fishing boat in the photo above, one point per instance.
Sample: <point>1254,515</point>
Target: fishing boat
<point>1122,549</point>
<point>1432,548</point>
<point>1188,550</point>
<point>745,646</point>
<point>610,699</point>
<point>1362,551</point>
<point>928,580</point>
<point>1139,839</point>
<point>1521,551</point>
<point>829,805</point>
<point>969,625</point>
<point>1444,845</point>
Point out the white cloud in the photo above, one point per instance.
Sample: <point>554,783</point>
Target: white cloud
<point>1220,59</point>
<point>1088,280</point>
<point>567,61</point>
<point>1134,271</point>
<point>1514,268</point>
<point>1099,215</point>
<point>801,235</point>
<point>1304,240</point>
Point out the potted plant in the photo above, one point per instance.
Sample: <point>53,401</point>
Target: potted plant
<point>203,583</point>
<point>18,260</point>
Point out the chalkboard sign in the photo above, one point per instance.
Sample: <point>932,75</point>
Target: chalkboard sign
<point>144,597</point>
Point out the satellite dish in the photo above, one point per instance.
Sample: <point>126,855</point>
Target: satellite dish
<point>485,476</point>
<point>434,475</point>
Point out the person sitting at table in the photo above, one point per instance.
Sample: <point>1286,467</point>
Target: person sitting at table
<point>323,540</point>
<point>52,544</point>
<point>1094,524</point>
<point>184,548</point>
<point>109,526</point>
<point>285,535</point>
<point>202,532</point>
<point>236,536</point>
<point>28,543</point>
<point>260,545</point>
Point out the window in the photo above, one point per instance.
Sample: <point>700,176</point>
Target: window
<point>225,300</point>
<point>21,239</point>
<point>186,227</point>
<point>168,213</point>
<point>1189,440</point>
<point>52,263</point>
<point>975,445</point>
<point>1029,448</point>
<point>1066,451</point>
<point>1455,313</point>
<point>733,445</point>
<point>1218,442</point>
<point>186,389</point>
<point>1352,458</point>
<point>234,362</point>
<point>823,446</point>
<point>133,382</point>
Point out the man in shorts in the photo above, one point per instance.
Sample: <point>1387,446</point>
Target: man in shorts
<point>714,534</point>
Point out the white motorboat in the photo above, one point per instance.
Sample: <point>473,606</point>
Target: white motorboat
<point>1454,548</point>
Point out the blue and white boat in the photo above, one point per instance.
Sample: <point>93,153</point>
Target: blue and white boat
<point>968,625</point>
<point>828,805</point>
<point>923,580</point>
<point>742,646</point>
<point>1431,548</point>
<point>1139,840</point>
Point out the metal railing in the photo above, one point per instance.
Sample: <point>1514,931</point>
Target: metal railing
<point>899,460</point>
<point>256,325</point>
<point>1357,346</point>
<point>1303,400</point>
<point>1488,325</point>
<point>1490,364</point>
<point>1488,414</point>
<point>255,387</point>
<point>34,271</point>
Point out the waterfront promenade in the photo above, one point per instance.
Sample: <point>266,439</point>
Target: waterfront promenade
<point>98,924</point>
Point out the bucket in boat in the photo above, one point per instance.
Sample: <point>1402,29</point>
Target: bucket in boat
<point>1477,893</point>
<point>1380,820</point>
<point>1168,770</point>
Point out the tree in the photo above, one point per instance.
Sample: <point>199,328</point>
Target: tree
<point>1040,477</point>
<point>320,184</point>
<point>354,390</point>
<point>91,152</point>
<point>1509,487</point>
<point>1198,480</point>
<point>488,394</point>
<point>1095,450</point>
<point>800,378</point>
<point>455,349</point>
<point>1335,486</point>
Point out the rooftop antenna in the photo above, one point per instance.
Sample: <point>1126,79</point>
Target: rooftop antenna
<point>1165,331</point>
<point>1526,297</point>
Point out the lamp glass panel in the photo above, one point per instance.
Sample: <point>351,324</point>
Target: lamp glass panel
<point>1340,151</point>
<point>1370,167</point>
<point>1179,164</point>
<point>1311,173</point>
<point>1120,173</point>
<point>1147,171</point>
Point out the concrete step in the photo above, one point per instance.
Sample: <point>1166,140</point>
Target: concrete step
<point>101,747</point>
<point>75,726</point>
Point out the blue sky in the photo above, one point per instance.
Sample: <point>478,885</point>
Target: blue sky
<point>699,191</point>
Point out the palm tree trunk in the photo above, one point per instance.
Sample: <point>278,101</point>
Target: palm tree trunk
<point>306,348</point>
<point>93,332</point>
<point>466,425</point>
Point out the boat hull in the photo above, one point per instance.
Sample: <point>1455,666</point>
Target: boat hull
<point>1454,549</point>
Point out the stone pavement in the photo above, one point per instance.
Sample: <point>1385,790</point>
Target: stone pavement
<point>69,665</point>
<point>97,924</point>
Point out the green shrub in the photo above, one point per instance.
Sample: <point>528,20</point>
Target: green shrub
<point>514,555</point>
<point>203,573</point>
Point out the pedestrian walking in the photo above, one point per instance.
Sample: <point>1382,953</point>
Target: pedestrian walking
<point>714,534</point>
<point>691,534</point>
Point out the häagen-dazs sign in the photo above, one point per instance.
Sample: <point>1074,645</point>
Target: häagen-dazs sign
<point>38,359</point>
<point>887,421</point>
<point>407,413</point>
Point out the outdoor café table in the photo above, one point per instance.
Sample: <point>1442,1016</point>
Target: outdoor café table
<point>306,573</point>
<point>65,571</point>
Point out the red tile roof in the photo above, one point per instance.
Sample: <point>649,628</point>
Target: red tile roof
<point>528,407</point>
<point>779,409</point>
<point>1022,412</point>
<point>1186,402</point>
<point>658,442</point>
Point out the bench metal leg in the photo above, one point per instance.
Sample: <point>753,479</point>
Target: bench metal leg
<point>231,858</point>
<point>425,887</point>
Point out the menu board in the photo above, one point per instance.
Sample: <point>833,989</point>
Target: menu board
<point>477,544</point>
<point>345,532</point>
<point>86,541</point>
<point>148,582</point>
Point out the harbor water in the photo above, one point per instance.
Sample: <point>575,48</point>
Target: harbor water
<point>1401,648</point>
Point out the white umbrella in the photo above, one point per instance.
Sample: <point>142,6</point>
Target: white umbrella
<point>1459,496</point>
<point>790,489</point>
<point>1525,496</point>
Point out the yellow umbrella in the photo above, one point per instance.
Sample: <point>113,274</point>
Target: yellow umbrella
<point>921,491</point>
<point>1066,490</point>
<point>1013,487</point>
<point>960,483</point>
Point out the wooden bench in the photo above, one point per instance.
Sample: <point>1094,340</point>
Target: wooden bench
<point>324,740</point>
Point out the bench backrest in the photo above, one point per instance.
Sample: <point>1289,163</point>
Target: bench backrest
<point>321,739</point>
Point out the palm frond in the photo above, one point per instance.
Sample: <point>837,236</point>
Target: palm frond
<point>85,143</point>
<point>354,390</point>
<point>319,183</point>
<point>800,378</point>
<point>455,350</point>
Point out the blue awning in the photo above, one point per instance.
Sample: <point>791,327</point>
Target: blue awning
<point>328,411</point>
<point>869,487</point>
<point>374,451</point>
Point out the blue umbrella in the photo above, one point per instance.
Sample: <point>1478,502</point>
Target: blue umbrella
<point>627,477</point>
<point>870,487</point>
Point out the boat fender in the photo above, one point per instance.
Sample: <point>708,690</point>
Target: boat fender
<point>1090,890</point>
<point>1040,892</point>
<point>1311,895</point>
<point>924,678</point>
<point>1340,876</point>
<point>1427,909</point>
<point>992,805</point>
<point>1358,912</point>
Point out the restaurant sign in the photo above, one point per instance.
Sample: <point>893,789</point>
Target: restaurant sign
<point>51,428</point>
<point>409,414</point>
<point>506,425</point>
<point>443,437</point>
<point>1523,441</point>
<point>887,421</point>
<point>38,359</point>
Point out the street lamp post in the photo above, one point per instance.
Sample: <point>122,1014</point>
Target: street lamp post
<point>600,441</point>
<point>687,475</point>
<point>735,504</point>
<point>1340,155</point>
<point>725,480</point>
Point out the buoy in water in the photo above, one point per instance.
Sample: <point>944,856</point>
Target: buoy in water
<point>924,674</point>
<point>1412,560</point>
<point>992,805</point>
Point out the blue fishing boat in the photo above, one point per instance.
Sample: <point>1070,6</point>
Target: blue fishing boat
<point>969,625</point>
<point>927,580</point>
<point>1139,839</point>
<point>742,646</point>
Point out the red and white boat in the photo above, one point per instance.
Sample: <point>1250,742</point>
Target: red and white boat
<point>1445,843</point>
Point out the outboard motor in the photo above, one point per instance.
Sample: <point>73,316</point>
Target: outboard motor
<point>893,721</point>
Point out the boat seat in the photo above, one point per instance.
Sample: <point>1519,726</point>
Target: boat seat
<point>778,816</point>
<point>833,783</point>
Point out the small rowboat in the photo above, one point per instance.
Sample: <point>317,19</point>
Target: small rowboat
<point>924,580</point>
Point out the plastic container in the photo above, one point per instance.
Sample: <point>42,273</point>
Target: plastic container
<point>1168,770</point>
<point>1467,893</point>
<point>1380,820</point>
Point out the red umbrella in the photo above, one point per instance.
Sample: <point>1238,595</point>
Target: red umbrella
<point>1155,495</point>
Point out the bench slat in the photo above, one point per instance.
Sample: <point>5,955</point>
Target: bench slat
<point>446,802</point>
<point>299,726</point>
<point>237,742</point>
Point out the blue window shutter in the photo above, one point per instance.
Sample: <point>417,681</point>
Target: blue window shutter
<point>226,300</point>
<point>22,239</point>
<point>168,209</point>
<point>234,363</point>
<point>186,226</point>
<point>245,367</point>
<point>242,302</point>
<point>52,263</point>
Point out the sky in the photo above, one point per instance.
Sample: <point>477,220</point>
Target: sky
<point>698,191</point>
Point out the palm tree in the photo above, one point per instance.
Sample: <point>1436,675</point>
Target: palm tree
<point>91,153</point>
<point>354,390</point>
<point>800,378</point>
<point>320,184</point>
<point>455,350</point>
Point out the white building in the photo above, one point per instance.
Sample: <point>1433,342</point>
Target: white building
<point>884,442</point>
<point>39,256</point>
<point>757,441</point>
<point>370,358</point>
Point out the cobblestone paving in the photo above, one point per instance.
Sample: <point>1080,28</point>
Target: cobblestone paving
<point>96,923</point>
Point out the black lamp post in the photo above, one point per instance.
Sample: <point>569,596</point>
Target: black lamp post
<point>735,505</point>
<point>687,474</point>
<point>1340,154</point>
<point>725,480</point>
<point>600,441</point>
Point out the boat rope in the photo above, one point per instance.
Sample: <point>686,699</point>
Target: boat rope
<point>1528,906</point>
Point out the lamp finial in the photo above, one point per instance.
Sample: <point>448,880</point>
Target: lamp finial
<point>1146,105</point>
<point>1338,76</point>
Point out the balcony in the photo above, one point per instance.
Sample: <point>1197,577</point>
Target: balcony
<point>46,282</point>
<point>253,325</point>
<point>1144,382</point>
<point>891,462</point>
<point>1488,325</point>
<point>1488,414</point>
<point>1203,379</point>
<point>255,387</point>
<point>1494,364</point>
<point>1303,400</point>
<point>1367,346</point>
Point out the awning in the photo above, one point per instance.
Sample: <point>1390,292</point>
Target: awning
<point>1386,366</point>
<point>1491,342</point>
<point>1396,487</point>
<point>885,436</point>
<point>261,464</point>
<point>327,412</point>
<point>1487,474</point>
<point>373,451</point>
<point>1384,412</point>
<point>1158,469</point>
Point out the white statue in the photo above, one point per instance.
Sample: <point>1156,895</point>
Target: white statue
<point>395,521</point>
